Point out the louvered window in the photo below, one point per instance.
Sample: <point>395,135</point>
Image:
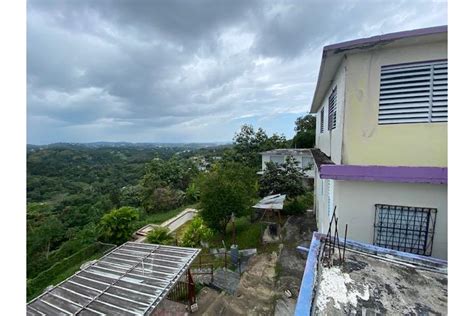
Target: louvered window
<point>332,109</point>
<point>321,127</point>
<point>414,93</point>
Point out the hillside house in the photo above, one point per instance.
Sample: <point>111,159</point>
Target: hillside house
<point>381,140</point>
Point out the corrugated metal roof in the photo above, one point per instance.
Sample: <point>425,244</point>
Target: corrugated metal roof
<point>132,279</point>
<point>271,202</point>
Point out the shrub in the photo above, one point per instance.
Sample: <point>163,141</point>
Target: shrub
<point>196,233</point>
<point>117,226</point>
<point>192,193</point>
<point>294,207</point>
<point>160,235</point>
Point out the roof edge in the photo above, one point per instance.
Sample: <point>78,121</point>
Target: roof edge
<point>369,41</point>
<point>386,37</point>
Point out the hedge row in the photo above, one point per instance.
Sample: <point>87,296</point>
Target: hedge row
<point>36,285</point>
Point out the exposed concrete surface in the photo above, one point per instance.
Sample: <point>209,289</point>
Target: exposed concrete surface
<point>371,285</point>
<point>262,286</point>
<point>255,294</point>
<point>172,224</point>
<point>226,280</point>
<point>297,231</point>
<point>168,308</point>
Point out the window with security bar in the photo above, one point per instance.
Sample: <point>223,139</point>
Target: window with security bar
<point>414,93</point>
<point>405,228</point>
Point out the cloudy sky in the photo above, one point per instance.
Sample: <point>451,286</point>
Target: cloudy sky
<point>188,71</point>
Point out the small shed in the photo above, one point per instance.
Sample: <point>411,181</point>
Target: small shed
<point>271,206</point>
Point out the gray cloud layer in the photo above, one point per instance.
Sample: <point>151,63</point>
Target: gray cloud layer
<point>188,70</point>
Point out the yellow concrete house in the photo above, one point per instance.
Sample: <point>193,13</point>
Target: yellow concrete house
<point>381,105</point>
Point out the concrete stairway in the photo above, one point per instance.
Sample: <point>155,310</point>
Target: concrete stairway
<point>226,280</point>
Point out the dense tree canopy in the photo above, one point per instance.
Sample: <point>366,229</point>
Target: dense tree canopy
<point>285,178</point>
<point>164,183</point>
<point>248,144</point>
<point>228,188</point>
<point>305,128</point>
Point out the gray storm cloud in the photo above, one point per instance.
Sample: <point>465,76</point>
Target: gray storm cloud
<point>188,70</point>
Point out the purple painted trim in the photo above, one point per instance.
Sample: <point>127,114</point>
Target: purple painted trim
<point>432,175</point>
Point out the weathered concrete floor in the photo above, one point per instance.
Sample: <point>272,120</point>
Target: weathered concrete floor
<point>167,308</point>
<point>370,285</point>
<point>226,280</point>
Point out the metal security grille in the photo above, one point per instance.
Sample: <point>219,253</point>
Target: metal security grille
<point>405,228</point>
<point>332,109</point>
<point>414,93</point>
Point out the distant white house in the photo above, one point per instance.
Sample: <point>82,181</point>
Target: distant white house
<point>302,156</point>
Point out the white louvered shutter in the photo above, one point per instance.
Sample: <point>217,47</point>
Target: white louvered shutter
<point>332,109</point>
<point>321,127</point>
<point>414,93</point>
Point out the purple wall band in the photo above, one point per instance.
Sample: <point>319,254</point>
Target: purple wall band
<point>432,175</point>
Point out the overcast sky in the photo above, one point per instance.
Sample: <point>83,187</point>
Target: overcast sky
<point>188,71</point>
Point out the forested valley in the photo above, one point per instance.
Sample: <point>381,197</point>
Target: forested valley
<point>74,192</point>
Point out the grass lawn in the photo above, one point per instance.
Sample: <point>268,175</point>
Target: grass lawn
<point>247,234</point>
<point>179,233</point>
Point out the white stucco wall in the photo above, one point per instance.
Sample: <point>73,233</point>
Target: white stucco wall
<point>330,141</point>
<point>355,202</point>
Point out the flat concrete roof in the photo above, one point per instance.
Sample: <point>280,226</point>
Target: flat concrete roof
<point>132,279</point>
<point>371,285</point>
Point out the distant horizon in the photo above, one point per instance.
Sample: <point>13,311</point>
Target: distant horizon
<point>128,142</point>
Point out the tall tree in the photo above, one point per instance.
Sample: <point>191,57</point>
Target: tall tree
<point>164,181</point>
<point>248,144</point>
<point>285,178</point>
<point>305,127</point>
<point>228,188</point>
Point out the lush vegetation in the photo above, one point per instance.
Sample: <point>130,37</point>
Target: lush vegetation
<point>228,189</point>
<point>116,227</point>
<point>73,188</point>
<point>305,128</point>
<point>78,195</point>
<point>160,235</point>
<point>196,233</point>
<point>284,178</point>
